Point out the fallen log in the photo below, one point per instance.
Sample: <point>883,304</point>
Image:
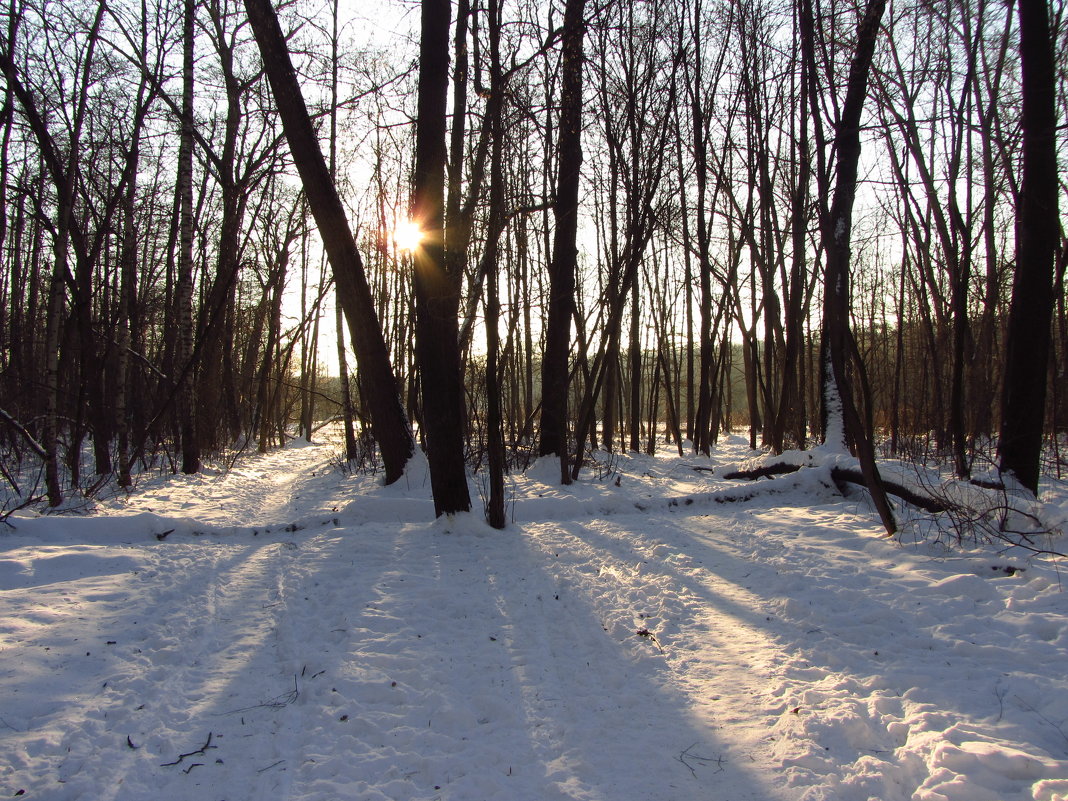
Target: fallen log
<point>767,471</point>
<point>925,502</point>
<point>841,476</point>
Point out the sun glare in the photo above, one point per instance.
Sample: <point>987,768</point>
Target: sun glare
<point>406,236</point>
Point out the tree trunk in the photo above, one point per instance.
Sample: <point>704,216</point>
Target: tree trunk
<point>790,417</point>
<point>703,429</point>
<point>554,376</point>
<point>495,515</point>
<point>266,393</point>
<point>1023,401</point>
<point>839,346</point>
<point>127,283</point>
<point>635,355</point>
<point>184,286</point>
<point>348,414</point>
<point>50,428</point>
<point>352,450</point>
<point>388,422</point>
<point>437,288</point>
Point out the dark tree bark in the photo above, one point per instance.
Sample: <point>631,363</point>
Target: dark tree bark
<point>128,282</point>
<point>839,346</point>
<point>437,288</point>
<point>1027,345</point>
<point>184,285</point>
<point>348,413</point>
<point>495,515</point>
<point>790,417</point>
<point>388,421</point>
<point>635,368</point>
<point>216,413</point>
<point>554,377</point>
<point>272,293</point>
<point>703,435</point>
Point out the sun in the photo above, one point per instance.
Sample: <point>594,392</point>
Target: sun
<point>407,236</point>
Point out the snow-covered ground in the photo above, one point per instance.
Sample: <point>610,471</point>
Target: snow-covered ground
<point>284,631</point>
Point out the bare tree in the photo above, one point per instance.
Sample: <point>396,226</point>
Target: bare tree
<point>555,371</point>
<point>840,409</point>
<point>1027,344</point>
<point>389,424</point>
<point>494,424</point>
<point>184,287</point>
<point>437,288</point>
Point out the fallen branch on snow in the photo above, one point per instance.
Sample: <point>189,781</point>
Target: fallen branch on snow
<point>279,701</point>
<point>687,754</point>
<point>845,475</point>
<point>987,514</point>
<point>199,752</point>
<point>649,635</point>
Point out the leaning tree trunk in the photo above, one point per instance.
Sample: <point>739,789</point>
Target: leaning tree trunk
<point>388,421</point>
<point>841,416</point>
<point>1023,402</point>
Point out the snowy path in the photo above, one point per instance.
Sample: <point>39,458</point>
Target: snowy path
<point>272,489</point>
<point>335,644</point>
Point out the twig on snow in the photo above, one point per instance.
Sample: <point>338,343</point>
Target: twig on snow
<point>199,752</point>
<point>648,634</point>
<point>1042,717</point>
<point>719,761</point>
<point>279,701</point>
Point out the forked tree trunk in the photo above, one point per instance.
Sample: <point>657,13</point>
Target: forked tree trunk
<point>265,392</point>
<point>790,418</point>
<point>634,423</point>
<point>352,449</point>
<point>839,346</point>
<point>127,283</point>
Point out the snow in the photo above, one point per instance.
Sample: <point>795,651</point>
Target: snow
<point>285,631</point>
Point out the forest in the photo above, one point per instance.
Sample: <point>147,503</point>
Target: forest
<point>504,229</point>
